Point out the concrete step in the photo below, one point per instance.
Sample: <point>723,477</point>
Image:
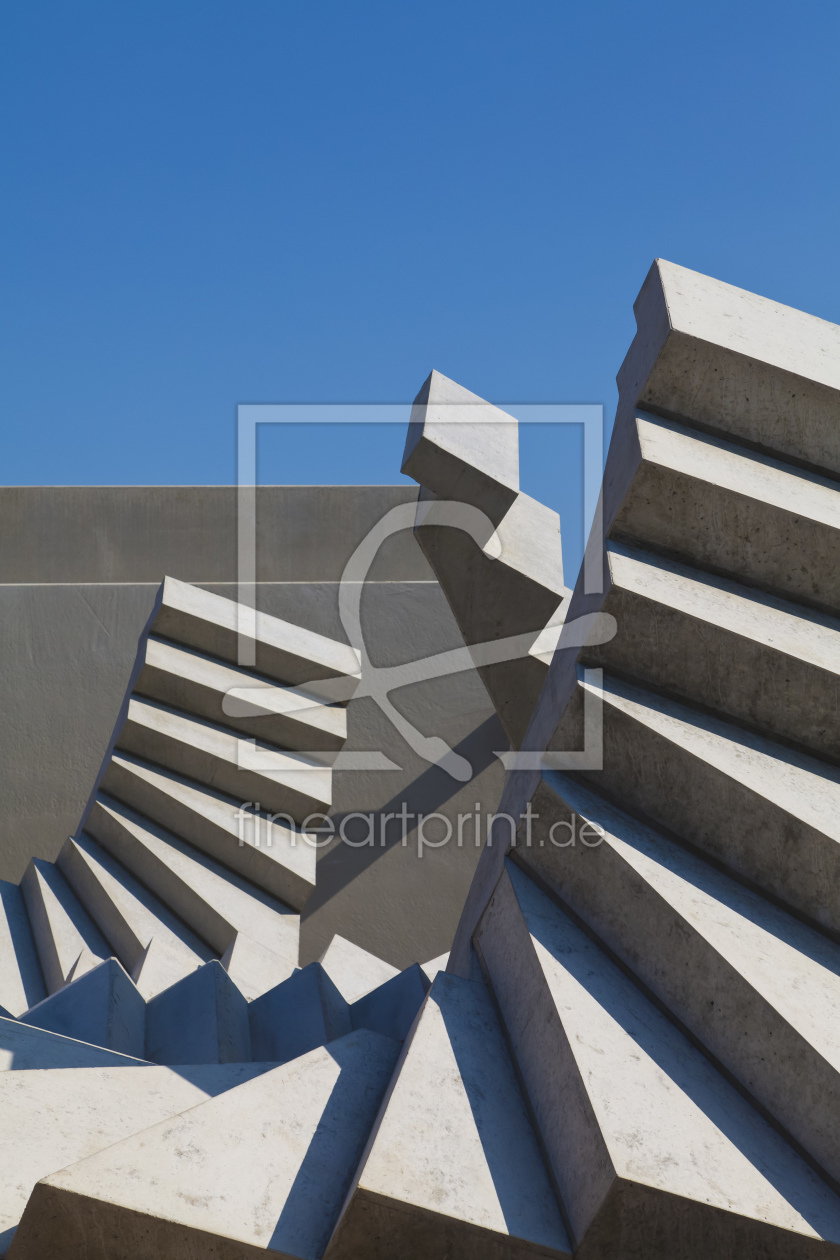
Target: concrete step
<point>285,652</point>
<point>103,1006</point>
<point>293,1018</point>
<point>392,1008</point>
<point>271,854</point>
<point>645,1138</point>
<point>71,1112</point>
<point>272,1164</point>
<point>454,1167</point>
<point>185,679</point>
<point>282,782</point>
<point>733,511</point>
<point>757,987</point>
<point>719,643</point>
<point>353,970</point>
<point>21,980</point>
<point>216,903</point>
<point>203,1018</point>
<point>129,916</point>
<point>770,814</point>
<point>66,938</point>
<point>24,1047</point>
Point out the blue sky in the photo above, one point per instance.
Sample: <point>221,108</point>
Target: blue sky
<point>204,203</point>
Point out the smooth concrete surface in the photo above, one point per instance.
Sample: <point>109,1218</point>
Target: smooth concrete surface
<point>303,1012</point>
<point>622,1097</point>
<point>200,1019</point>
<point>66,938</point>
<point>354,971</point>
<point>136,534</point>
<point>21,980</point>
<point>758,988</point>
<point>261,1170</point>
<point>70,1113</point>
<point>453,1168</point>
<point>103,1006</point>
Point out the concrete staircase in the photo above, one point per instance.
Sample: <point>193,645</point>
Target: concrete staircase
<point>634,1049</point>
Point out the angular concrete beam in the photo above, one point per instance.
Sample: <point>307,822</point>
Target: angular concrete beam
<point>188,1185</point>
<point>453,1166</point>
<point>462,447</point>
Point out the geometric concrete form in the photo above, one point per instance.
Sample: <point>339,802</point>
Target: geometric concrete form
<point>274,856</point>
<point>261,1170</point>
<point>285,652</point>
<point>21,981</point>
<point>392,1008</point>
<point>68,1114</point>
<point>201,1019</point>
<point>303,1012</point>
<point>215,903</point>
<point>496,552</point>
<point>24,1047</point>
<point>67,940</point>
<point>454,1167</point>
<point>103,1006</point>
<point>130,917</point>
<point>354,971</point>
<point>759,989</point>
<point>431,968</point>
<point>635,1120</point>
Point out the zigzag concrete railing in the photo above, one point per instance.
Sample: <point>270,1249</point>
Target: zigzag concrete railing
<point>635,1049</point>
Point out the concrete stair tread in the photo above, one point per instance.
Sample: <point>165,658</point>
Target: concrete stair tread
<point>353,970</point>
<point>216,903</point>
<point>676,1128</point>
<point>128,915</point>
<point>21,981</point>
<point>303,1125</point>
<point>741,799</point>
<point>213,822</point>
<point>103,1006</point>
<point>282,781</point>
<point>759,988</point>
<point>71,1113</point>
<point>454,1105</point>
<point>66,938</point>
<point>185,679</point>
<point>286,652</point>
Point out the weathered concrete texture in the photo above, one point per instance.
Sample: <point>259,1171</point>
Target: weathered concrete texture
<point>303,1012</point>
<point>758,988</point>
<point>496,552</point>
<point>262,1170</point>
<point>21,980</point>
<point>103,1007</point>
<point>453,1167</point>
<point>69,1113</point>
<point>201,1019</point>
<point>624,1100</point>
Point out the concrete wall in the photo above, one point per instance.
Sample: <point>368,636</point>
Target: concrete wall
<point>78,572</point>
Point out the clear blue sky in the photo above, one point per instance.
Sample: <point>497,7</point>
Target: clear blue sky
<point>207,202</point>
